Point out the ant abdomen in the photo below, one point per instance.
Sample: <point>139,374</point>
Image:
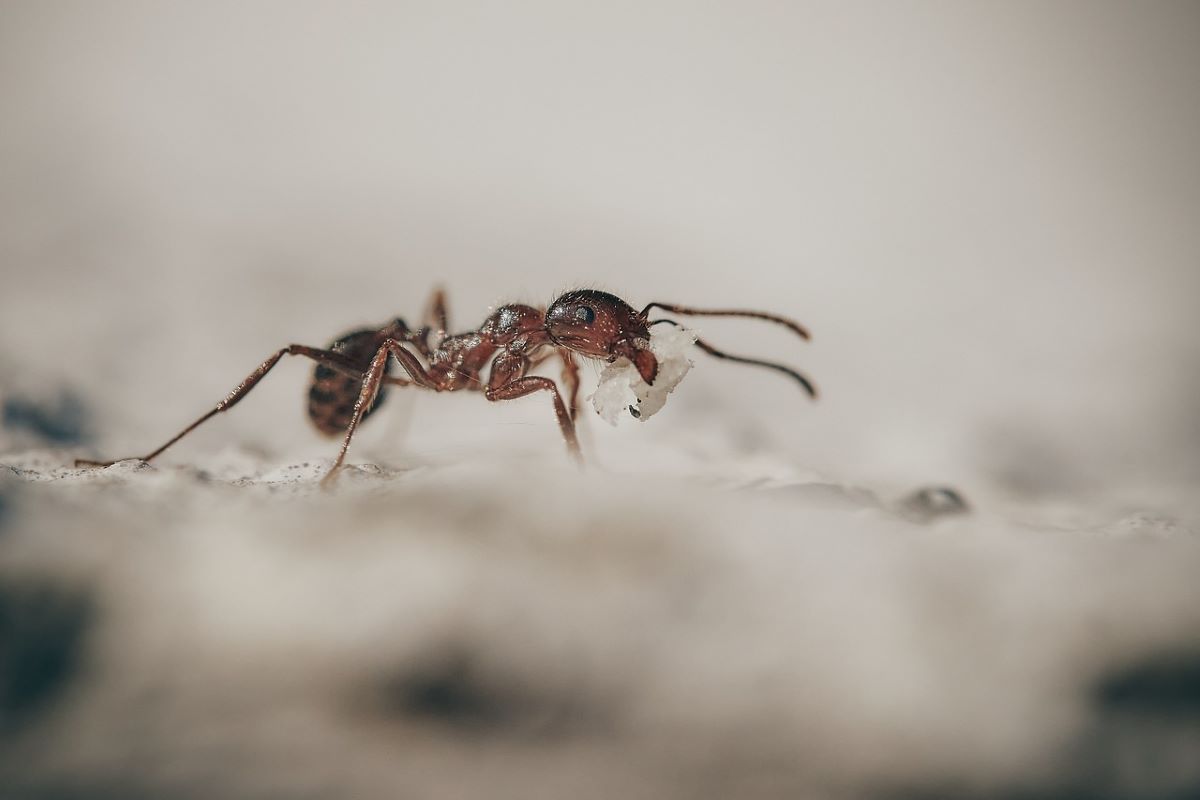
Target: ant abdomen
<point>331,395</point>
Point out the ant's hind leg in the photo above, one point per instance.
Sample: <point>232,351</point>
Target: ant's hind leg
<point>370,388</point>
<point>436,316</point>
<point>334,361</point>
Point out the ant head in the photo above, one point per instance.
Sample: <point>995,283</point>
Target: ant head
<point>601,325</point>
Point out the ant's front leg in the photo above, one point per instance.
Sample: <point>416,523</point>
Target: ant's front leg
<point>376,375</point>
<point>328,358</point>
<point>570,377</point>
<point>508,382</point>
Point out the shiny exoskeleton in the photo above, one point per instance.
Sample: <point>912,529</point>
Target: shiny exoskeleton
<point>351,376</point>
<point>332,394</point>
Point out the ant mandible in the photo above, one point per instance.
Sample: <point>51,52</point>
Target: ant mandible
<point>351,378</point>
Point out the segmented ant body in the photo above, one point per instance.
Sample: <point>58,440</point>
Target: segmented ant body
<point>351,378</point>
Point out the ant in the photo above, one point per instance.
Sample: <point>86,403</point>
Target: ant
<point>351,377</point>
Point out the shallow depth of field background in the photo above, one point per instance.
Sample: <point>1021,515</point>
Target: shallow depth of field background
<point>988,214</point>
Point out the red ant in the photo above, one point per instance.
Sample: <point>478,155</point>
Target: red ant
<point>351,377</point>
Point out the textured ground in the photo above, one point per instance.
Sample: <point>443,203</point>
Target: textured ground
<point>233,631</point>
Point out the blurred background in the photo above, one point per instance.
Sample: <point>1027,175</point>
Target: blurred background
<point>987,213</point>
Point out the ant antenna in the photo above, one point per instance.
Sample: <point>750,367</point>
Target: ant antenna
<point>795,327</point>
<point>712,351</point>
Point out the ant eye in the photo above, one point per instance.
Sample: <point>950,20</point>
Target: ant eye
<point>585,314</point>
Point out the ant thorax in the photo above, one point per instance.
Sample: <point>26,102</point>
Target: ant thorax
<point>519,329</point>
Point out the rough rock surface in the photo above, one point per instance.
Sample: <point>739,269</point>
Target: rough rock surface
<point>209,630</point>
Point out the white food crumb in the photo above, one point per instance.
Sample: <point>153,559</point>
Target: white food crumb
<point>621,388</point>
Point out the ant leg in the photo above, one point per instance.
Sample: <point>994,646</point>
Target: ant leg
<point>335,361</point>
<point>804,382</point>
<point>570,378</point>
<point>570,374</point>
<point>507,384</point>
<point>792,325</point>
<point>370,388</point>
<point>534,383</point>
<point>433,324</point>
<point>436,316</point>
<point>398,329</point>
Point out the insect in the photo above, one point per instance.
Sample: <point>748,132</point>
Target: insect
<point>351,377</point>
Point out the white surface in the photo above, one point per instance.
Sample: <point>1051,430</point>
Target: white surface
<point>985,214</point>
<point>711,625</point>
